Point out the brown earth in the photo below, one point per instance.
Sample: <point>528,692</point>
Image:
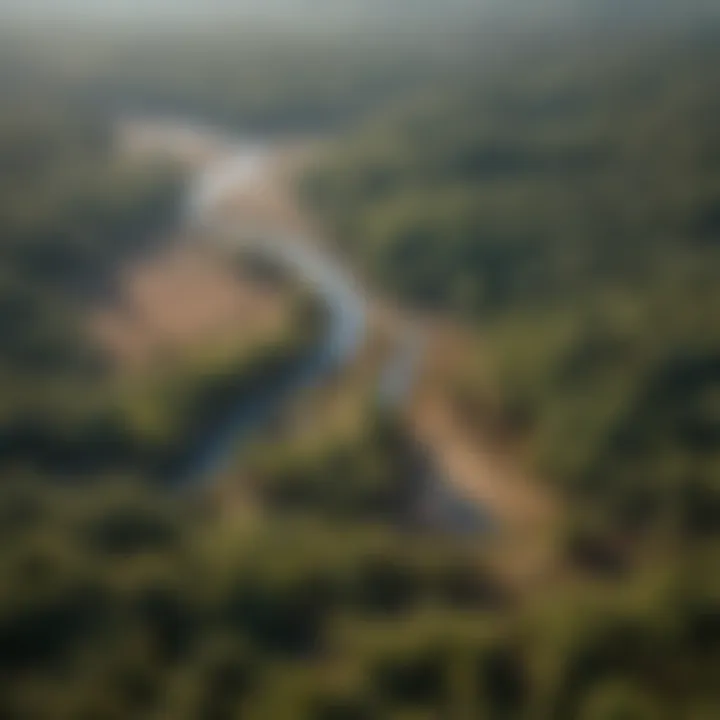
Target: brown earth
<point>186,297</point>
<point>189,295</point>
<point>522,510</point>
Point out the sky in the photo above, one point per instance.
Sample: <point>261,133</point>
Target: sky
<point>304,12</point>
<point>113,9</point>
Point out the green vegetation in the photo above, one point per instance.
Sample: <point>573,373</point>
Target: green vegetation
<point>68,217</point>
<point>569,210</point>
<point>269,82</point>
<point>119,602</point>
<point>564,204</point>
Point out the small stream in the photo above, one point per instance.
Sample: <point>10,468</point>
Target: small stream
<point>344,304</point>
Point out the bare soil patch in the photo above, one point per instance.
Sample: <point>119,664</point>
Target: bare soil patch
<point>186,297</point>
<point>481,469</point>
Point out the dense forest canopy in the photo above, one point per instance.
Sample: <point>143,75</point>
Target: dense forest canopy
<point>570,212</point>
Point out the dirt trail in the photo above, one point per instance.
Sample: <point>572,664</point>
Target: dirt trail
<point>523,513</point>
<point>480,467</point>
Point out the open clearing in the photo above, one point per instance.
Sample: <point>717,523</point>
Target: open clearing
<point>185,297</point>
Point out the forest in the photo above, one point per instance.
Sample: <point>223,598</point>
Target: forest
<point>571,214</point>
<point>558,199</point>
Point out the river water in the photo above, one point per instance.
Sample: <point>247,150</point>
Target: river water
<point>241,164</point>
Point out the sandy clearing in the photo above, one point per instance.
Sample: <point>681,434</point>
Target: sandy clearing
<point>482,468</point>
<point>187,296</point>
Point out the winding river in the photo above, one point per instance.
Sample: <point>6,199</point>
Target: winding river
<point>240,165</point>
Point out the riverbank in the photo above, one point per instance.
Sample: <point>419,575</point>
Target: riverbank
<point>244,196</point>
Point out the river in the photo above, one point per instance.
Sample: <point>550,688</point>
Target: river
<point>240,164</point>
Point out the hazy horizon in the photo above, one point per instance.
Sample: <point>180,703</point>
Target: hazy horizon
<point>309,13</point>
